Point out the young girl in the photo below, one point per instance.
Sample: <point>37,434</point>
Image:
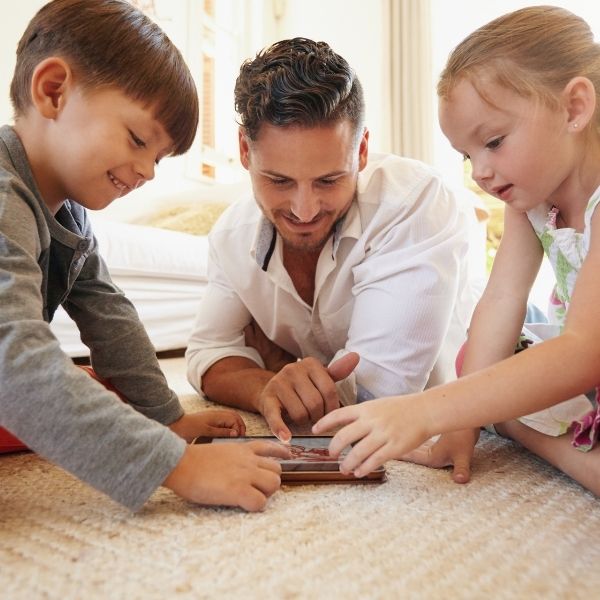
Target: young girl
<point>518,98</point>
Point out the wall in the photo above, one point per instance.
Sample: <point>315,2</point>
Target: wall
<point>12,25</point>
<point>356,30</point>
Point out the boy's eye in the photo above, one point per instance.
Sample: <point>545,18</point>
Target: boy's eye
<point>495,143</point>
<point>136,140</point>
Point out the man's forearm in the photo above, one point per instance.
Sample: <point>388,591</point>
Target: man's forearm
<point>236,381</point>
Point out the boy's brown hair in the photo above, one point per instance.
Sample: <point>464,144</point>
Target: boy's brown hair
<point>110,43</point>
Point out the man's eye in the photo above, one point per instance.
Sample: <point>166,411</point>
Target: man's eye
<point>279,181</point>
<point>136,140</point>
<point>328,181</point>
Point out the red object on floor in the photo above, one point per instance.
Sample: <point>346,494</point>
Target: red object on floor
<point>9,443</point>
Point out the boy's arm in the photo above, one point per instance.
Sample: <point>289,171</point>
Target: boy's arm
<point>54,407</point>
<point>120,350</point>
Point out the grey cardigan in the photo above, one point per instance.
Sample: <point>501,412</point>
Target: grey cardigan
<point>50,404</point>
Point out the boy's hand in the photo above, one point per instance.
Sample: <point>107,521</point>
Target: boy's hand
<point>305,390</point>
<point>382,429</point>
<point>235,474</point>
<point>451,449</point>
<point>209,423</point>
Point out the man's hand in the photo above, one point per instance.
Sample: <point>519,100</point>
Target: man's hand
<point>274,357</point>
<point>305,390</point>
<point>380,429</point>
<point>451,449</point>
<point>209,423</point>
<point>235,474</point>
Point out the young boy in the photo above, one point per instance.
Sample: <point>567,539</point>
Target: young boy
<point>100,96</point>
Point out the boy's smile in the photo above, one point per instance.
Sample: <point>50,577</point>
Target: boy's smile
<point>123,187</point>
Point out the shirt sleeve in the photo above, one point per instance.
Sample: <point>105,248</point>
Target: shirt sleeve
<point>406,292</point>
<point>120,350</point>
<point>219,328</point>
<point>53,406</point>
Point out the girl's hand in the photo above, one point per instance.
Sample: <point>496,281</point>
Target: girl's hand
<point>209,423</point>
<point>451,449</point>
<point>380,429</point>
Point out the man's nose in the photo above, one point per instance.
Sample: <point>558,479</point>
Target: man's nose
<point>305,204</point>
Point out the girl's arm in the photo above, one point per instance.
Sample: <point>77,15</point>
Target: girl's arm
<point>546,374</point>
<point>493,333</point>
<point>499,315</point>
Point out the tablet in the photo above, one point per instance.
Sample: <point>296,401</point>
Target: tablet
<point>310,462</point>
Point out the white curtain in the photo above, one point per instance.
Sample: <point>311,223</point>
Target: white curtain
<point>410,79</point>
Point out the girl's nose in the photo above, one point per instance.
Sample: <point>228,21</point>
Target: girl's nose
<point>481,171</point>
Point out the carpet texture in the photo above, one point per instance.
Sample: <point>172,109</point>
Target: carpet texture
<point>519,530</point>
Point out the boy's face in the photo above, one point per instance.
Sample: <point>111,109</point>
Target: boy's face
<point>99,147</point>
<point>304,179</point>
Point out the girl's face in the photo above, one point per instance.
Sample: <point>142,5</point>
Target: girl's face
<point>520,149</point>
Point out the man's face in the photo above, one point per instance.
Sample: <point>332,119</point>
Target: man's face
<point>304,179</point>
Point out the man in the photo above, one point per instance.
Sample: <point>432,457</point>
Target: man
<point>335,257</point>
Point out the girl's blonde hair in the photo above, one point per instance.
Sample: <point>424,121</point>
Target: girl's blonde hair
<point>534,52</point>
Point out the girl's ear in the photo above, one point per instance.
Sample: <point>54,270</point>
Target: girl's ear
<point>580,102</point>
<point>49,84</point>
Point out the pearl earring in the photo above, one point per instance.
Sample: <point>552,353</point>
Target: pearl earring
<point>575,125</point>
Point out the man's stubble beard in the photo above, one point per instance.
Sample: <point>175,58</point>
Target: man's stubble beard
<point>312,246</point>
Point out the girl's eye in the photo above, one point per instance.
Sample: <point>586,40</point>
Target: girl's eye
<point>466,157</point>
<point>495,143</point>
<point>136,140</point>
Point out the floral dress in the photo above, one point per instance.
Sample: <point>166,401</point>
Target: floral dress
<point>566,250</point>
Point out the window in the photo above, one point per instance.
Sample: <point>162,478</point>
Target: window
<point>213,36</point>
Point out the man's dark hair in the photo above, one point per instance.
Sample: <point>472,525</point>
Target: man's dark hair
<point>297,82</point>
<point>110,43</point>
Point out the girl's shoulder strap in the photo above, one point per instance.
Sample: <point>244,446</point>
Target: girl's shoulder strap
<point>590,209</point>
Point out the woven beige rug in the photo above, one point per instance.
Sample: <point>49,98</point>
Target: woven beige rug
<point>519,530</point>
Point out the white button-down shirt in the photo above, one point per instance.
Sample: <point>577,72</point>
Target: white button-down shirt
<point>391,284</point>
